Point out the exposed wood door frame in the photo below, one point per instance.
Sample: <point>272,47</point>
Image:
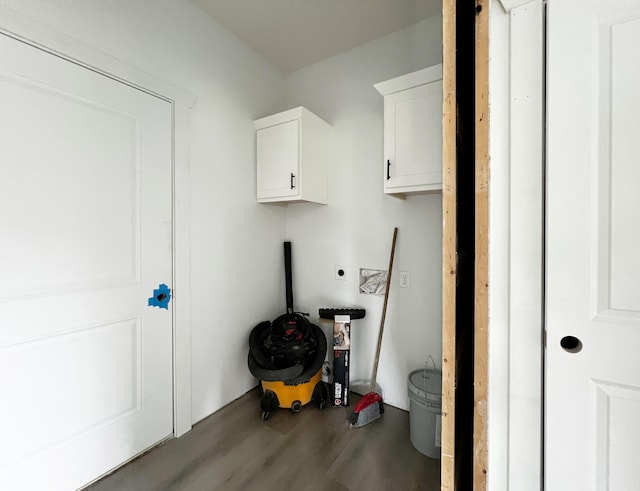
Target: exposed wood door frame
<point>448,244</point>
<point>508,403</point>
<point>481,277</point>
<point>461,60</point>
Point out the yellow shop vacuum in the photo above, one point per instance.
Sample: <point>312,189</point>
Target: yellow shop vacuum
<point>286,355</point>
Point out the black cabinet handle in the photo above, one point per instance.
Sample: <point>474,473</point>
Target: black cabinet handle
<point>388,169</point>
<point>293,176</point>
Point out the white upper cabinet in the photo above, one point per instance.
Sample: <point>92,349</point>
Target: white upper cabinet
<point>413,132</point>
<point>292,157</point>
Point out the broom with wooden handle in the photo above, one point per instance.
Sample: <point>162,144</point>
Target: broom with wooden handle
<point>370,407</point>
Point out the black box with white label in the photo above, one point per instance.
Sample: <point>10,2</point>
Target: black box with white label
<point>341,355</point>
<point>341,377</point>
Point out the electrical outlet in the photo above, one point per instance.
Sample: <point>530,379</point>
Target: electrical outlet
<point>341,272</point>
<point>405,279</point>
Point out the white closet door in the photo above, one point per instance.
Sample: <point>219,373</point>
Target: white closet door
<point>592,429</point>
<point>85,238</point>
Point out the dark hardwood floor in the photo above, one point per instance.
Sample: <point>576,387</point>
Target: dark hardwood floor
<point>234,449</point>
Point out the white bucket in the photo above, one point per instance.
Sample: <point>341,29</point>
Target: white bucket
<point>425,406</point>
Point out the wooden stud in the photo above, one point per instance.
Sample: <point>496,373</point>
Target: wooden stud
<point>481,284</point>
<point>449,125</point>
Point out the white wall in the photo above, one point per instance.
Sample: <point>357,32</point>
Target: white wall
<point>234,240</point>
<point>356,227</point>
<point>236,255</point>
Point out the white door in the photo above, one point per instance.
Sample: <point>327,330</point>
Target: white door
<point>85,238</point>
<point>592,426</point>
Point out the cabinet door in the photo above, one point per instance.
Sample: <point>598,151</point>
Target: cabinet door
<point>278,157</point>
<point>413,139</point>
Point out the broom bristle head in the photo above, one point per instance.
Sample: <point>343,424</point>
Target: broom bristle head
<point>368,409</point>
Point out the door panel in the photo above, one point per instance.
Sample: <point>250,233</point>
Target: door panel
<point>620,173</point>
<point>85,214</point>
<point>278,151</point>
<point>593,235</point>
<point>107,248</point>
<point>117,394</point>
<point>413,136</point>
<point>616,442</point>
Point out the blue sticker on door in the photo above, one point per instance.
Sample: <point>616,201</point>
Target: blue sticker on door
<point>161,297</point>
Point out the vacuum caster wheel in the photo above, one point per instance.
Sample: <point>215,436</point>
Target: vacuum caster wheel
<point>296,406</point>
<point>321,395</point>
<point>268,401</point>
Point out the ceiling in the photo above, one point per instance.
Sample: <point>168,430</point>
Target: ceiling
<point>293,34</point>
